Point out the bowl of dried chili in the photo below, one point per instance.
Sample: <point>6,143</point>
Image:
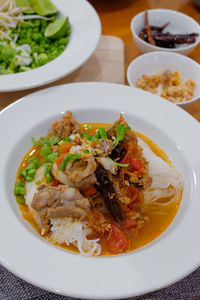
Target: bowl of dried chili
<point>165,30</point>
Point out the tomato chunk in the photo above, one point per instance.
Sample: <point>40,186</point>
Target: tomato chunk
<point>90,190</point>
<point>130,223</point>
<point>135,164</point>
<point>64,148</point>
<point>117,241</point>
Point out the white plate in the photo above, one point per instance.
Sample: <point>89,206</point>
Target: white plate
<point>169,258</point>
<point>85,35</point>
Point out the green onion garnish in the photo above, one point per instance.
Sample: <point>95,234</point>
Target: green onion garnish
<point>47,172</point>
<point>49,142</point>
<point>65,140</point>
<point>51,157</point>
<point>70,158</point>
<point>30,171</point>
<point>86,151</point>
<point>38,182</point>
<point>34,141</point>
<point>53,140</point>
<point>20,199</point>
<point>46,150</point>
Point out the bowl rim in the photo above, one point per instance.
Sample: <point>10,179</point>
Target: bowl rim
<point>140,57</point>
<point>156,48</point>
<point>130,263</point>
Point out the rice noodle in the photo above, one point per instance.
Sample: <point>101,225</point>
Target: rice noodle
<point>167,185</point>
<point>65,230</point>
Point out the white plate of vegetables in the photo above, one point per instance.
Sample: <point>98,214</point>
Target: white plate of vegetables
<point>44,40</point>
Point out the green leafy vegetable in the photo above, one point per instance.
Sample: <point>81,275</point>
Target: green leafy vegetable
<point>120,133</point>
<point>70,158</point>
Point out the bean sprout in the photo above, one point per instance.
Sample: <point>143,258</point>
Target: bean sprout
<point>11,15</point>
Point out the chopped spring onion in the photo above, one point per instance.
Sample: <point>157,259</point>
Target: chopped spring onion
<point>35,161</point>
<point>45,150</point>
<point>47,172</point>
<point>30,171</point>
<point>20,199</point>
<point>51,157</point>
<point>86,151</point>
<point>69,158</point>
<point>38,182</point>
<point>53,140</point>
<point>34,141</point>
<point>65,140</point>
<point>20,192</point>
<point>49,142</point>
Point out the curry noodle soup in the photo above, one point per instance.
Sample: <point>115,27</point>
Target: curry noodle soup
<point>97,189</point>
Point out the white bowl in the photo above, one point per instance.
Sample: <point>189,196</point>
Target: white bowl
<point>85,35</point>
<point>179,23</point>
<point>151,63</point>
<point>162,262</point>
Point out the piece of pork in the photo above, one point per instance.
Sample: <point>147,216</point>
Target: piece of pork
<point>105,147</point>
<point>69,211</point>
<point>66,126</point>
<point>81,172</point>
<point>56,202</point>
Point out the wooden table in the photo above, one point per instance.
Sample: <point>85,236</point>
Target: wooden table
<point>116,16</point>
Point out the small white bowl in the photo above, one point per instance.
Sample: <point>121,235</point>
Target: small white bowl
<point>179,23</point>
<point>151,63</point>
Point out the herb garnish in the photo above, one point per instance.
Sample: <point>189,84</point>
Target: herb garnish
<point>120,133</point>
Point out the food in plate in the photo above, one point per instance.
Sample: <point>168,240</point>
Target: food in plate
<point>168,85</point>
<point>97,189</point>
<point>31,34</point>
<point>155,36</point>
